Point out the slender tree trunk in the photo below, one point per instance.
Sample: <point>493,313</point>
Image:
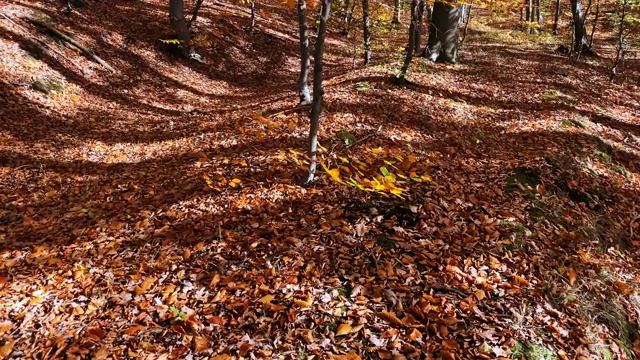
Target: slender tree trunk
<point>466,24</point>
<point>595,23</point>
<point>303,80</point>
<point>619,44</point>
<point>412,39</point>
<point>556,18</point>
<point>316,106</point>
<point>252,26</point>
<point>579,32</point>
<point>418,29</point>
<point>527,14</point>
<point>366,32</point>
<point>538,15</point>
<point>397,8</point>
<point>194,13</point>
<point>443,33</point>
<point>179,24</point>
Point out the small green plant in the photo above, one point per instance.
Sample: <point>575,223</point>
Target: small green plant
<point>362,86</point>
<point>532,351</point>
<point>347,137</point>
<point>48,85</point>
<point>179,313</point>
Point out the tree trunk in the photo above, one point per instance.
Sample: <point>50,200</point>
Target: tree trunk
<point>619,44</point>
<point>179,24</point>
<point>366,32</point>
<point>538,15</point>
<point>595,23</point>
<point>316,108</point>
<point>303,80</point>
<point>412,39</point>
<point>466,24</point>
<point>418,28</point>
<point>556,18</point>
<point>443,33</point>
<point>252,25</point>
<point>579,32</point>
<point>397,8</point>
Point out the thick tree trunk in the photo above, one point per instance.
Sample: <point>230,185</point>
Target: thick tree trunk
<point>443,33</point>
<point>180,26</point>
<point>397,8</point>
<point>580,44</point>
<point>303,80</point>
<point>366,32</point>
<point>316,106</point>
<point>556,18</point>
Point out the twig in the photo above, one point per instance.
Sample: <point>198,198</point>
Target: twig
<point>86,51</point>
<point>445,288</point>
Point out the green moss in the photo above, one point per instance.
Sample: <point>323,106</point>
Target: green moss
<point>48,85</point>
<point>532,351</point>
<point>385,242</point>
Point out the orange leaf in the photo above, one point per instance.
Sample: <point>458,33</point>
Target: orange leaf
<point>622,287</point>
<point>244,349</point>
<point>266,299</point>
<point>96,333</point>
<point>571,274</point>
<point>6,350</point>
<point>449,344</point>
<point>132,330</point>
<point>144,286</point>
<point>350,356</point>
<point>200,343</point>
<point>521,280</point>
<point>414,334</point>
<point>5,326</point>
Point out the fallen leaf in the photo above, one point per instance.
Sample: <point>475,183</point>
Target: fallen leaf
<point>390,318</point>
<point>132,330</point>
<point>343,329</point>
<point>6,349</point>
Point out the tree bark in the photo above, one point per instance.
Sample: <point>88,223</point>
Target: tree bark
<point>466,24</point>
<point>397,8</point>
<point>412,39</point>
<point>252,25</point>
<point>305,63</point>
<point>180,26</point>
<point>316,107</point>
<point>443,33</point>
<point>366,32</point>
<point>619,44</point>
<point>579,32</point>
<point>418,28</point>
<point>595,23</point>
<point>556,18</point>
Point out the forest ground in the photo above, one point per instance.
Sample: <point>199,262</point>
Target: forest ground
<point>157,212</point>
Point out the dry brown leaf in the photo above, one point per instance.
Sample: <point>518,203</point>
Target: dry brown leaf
<point>200,343</point>
<point>101,353</point>
<point>447,355</point>
<point>145,286</point>
<point>414,334</point>
<point>350,356</point>
<point>96,333</point>
<point>244,349</point>
<point>480,294</point>
<point>390,318</point>
<point>521,280</point>
<point>449,344</point>
<point>304,303</point>
<point>221,357</point>
<point>622,287</point>
<point>132,330</point>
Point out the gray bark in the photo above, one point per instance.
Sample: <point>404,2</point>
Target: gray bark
<point>579,32</point>
<point>595,23</point>
<point>180,26</point>
<point>619,44</point>
<point>316,107</point>
<point>303,80</point>
<point>397,8</point>
<point>422,5</point>
<point>443,33</point>
<point>366,32</point>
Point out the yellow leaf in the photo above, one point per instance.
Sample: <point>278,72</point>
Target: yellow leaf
<point>343,329</point>
<point>235,182</point>
<point>200,343</point>
<point>266,299</point>
<point>480,294</point>
<point>335,173</point>
<point>522,281</point>
<point>304,303</point>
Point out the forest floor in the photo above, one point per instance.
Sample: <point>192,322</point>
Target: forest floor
<point>157,212</point>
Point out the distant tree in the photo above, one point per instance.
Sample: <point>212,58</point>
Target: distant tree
<point>366,31</point>
<point>556,17</point>
<point>443,33</point>
<point>305,63</point>
<point>316,107</point>
<point>397,9</point>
